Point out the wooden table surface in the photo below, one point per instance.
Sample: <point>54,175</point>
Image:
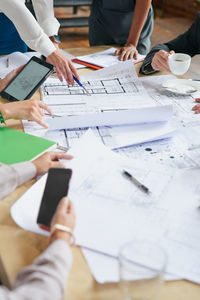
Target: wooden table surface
<point>18,247</point>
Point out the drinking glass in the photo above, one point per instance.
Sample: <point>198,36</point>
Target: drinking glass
<point>141,266</point>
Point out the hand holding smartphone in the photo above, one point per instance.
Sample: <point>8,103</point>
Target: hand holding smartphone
<point>57,186</point>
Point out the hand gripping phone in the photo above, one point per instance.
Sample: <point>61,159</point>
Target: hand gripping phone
<point>57,186</point>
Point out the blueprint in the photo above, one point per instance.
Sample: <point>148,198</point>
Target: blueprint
<point>116,97</point>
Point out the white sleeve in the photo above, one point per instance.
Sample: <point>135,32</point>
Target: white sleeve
<point>45,16</point>
<point>29,29</point>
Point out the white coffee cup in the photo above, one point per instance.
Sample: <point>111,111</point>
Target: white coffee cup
<point>179,63</point>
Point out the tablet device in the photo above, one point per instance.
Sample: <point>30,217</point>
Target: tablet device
<point>28,80</point>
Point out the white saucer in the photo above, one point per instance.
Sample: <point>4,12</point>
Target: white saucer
<point>182,86</point>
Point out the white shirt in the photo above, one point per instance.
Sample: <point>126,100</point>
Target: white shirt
<point>34,34</point>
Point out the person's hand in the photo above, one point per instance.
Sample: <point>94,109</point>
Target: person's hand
<point>26,110</point>
<point>50,160</point>
<point>196,108</point>
<point>160,61</point>
<point>5,81</point>
<point>64,215</point>
<point>64,67</point>
<point>129,51</point>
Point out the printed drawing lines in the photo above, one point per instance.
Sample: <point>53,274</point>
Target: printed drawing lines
<point>105,86</point>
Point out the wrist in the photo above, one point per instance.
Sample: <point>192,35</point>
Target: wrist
<point>55,39</point>
<point>53,54</point>
<point>60,235</point>
<point>63,232</point>
<point>4,111</point>
<point>2,84</point>
<point>131,43</point>
<point>56,45</point>
<point>37,167</point>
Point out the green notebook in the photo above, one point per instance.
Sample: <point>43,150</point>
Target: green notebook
<point>17,146</point>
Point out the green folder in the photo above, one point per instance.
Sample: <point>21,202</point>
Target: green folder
<point>17,146</point>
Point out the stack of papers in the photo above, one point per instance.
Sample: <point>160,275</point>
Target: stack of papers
<point>107,217</point>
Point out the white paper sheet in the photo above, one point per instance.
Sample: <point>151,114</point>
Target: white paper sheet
<point>106,58</point>
<point>112,117</point>
<point>111,136</point>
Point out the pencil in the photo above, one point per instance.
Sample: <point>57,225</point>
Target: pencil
<point>8,62</point>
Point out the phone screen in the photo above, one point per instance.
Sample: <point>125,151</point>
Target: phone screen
<point>56,188</point>
<point>27,80</point>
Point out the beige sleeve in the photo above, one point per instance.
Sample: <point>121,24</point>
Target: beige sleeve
<point>46,278</point>
<point>13,175</point>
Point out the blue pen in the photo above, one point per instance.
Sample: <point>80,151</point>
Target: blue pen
<point>80,84</point>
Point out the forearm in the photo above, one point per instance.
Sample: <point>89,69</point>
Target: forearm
<point>44,11</point>
<point>14,175</point>
<point>7,111</point>
<point>46,278</point>
<point>2,84</point>
<point>140,13</point>
<point>28,28</point>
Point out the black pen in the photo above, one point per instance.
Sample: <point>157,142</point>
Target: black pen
<point>136,182</point>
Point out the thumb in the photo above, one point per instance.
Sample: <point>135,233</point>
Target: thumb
<point>171,52</point>
<point>19,69</point>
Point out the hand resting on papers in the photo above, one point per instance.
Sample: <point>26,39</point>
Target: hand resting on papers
<point>50,160</point>
<point>129,51</point>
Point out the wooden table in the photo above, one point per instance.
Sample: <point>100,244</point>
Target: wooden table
<point>18,247</point>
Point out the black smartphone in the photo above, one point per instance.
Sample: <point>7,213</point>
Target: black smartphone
<point>28,80</point>
<point>57,186</point>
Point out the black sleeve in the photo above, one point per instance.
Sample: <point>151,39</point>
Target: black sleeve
<point>188,42</point>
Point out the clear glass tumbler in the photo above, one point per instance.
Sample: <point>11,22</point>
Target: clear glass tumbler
<point>141,266</point>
